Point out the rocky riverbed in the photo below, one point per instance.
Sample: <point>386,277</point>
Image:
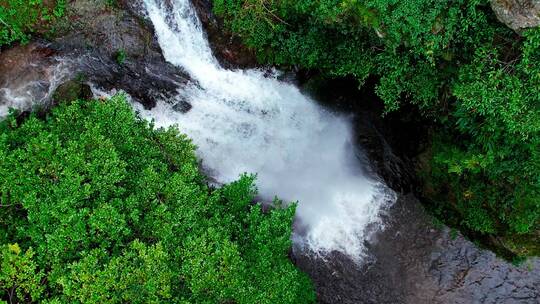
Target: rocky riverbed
<point>410,261</point>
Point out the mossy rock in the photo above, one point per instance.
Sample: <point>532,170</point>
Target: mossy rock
<point>523,245</point>
<point>72,90</point>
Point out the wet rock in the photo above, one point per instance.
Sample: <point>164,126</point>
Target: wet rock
<point>412,261</point>
<point>34,74</point>
<point>90,43</point>
<point>16,63</point>
<point>390,141</point>
<point>72,90</point>
<point>227,48</point>
<point>517,14</point>
<point>101,32</point>
<point>182,106</point>
<point>146,81</point>
<point>391,166</point>
<point>95,25</point>
<point>29,74</point>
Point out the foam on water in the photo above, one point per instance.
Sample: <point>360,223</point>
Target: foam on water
<point>246,121</point>
<point>32,90</point>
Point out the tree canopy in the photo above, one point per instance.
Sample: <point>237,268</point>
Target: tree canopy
<point>97,206</point>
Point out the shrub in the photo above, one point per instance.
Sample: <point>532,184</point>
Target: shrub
<point>20,18</point>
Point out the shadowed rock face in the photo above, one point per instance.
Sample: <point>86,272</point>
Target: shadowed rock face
<point>100,32</point>
<point>413,262</point>
<point>517,14</point>
<point>227,48</point>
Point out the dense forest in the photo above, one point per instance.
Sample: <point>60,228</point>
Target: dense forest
<point>99,206</point>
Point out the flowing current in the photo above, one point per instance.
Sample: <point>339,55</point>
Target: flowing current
<point>33,88</point>
<point>246,121</point>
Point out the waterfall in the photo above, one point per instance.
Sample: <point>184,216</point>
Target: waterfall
<point>246,121</point>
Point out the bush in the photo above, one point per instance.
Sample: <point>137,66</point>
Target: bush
<point>110,210</point>
<point>20,18</point>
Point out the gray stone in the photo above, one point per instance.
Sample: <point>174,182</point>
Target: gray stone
<point>412,262</point>
<point>88,47</point>
<point>96,26</point>
<point>517,14</point>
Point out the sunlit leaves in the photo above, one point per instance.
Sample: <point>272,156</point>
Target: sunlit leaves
<point>20,280</point>
<point>19,18</point>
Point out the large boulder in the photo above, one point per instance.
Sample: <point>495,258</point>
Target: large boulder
<point>116,49</point>
<point>84,53</point>
<point>72,90</point>
<point>517,14</point>
<point>108,28</point>
<point>413,261</point>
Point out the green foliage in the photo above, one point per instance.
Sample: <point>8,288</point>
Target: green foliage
<point>305,33</point>
<point>111,3</point>
<point>496,169</point>
<point>117,212</point>
<point>476,78</point>
<point>408,44</point>
<point>19,279</point>
<point>141,274</point>
<point>20,18</point>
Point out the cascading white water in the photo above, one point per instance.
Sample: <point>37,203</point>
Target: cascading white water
<point>33,90</point>
<point>244,121</point>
